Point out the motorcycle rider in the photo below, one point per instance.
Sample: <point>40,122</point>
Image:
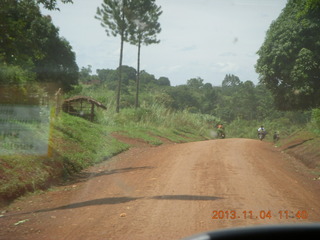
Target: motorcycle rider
<point>221,131</point>
<point>276,137</point>
<point>262,130</point>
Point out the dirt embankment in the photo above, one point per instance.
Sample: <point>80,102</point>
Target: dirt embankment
<point>304,146</point>
<point>169,192</point>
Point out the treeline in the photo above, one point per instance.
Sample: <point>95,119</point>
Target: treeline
<point>233,100</point>
<point>110,77</point>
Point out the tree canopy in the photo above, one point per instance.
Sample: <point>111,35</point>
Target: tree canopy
<point>289,60</point>
<point>52,4</point>
<point>31,42</point>
<point>145,22</point>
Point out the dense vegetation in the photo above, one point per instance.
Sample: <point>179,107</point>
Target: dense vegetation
<point>31,49</point>
<point>289,57</point>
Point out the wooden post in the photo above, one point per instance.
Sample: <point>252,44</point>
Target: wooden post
<point>57,98</point>
<point>92,112</point>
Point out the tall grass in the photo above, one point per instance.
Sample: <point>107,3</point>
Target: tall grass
<point>157,120</point>
<point>314,124</point>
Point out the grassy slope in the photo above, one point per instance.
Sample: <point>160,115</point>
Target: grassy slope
<point>76,144</point>
<point>305,146</point>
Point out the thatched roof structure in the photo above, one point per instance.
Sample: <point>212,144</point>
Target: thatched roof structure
<point>81,106</point>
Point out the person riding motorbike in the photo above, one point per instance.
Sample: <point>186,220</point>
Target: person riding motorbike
<point>261,132</point>
<point>221,131</point>
<point>261,129</point>
<point>276,137</point>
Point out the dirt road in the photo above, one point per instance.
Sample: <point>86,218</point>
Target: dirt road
<point>170,192</point>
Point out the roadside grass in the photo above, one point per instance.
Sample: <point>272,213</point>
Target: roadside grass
<point>149,122</point>
<point>20,174</point>
<point>301,135</point>
<point>74,144</point>
<point>303,145</point>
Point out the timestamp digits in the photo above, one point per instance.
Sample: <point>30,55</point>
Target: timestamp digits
<point>262,214</point>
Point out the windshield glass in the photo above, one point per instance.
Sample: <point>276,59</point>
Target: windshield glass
<point>140,119</point>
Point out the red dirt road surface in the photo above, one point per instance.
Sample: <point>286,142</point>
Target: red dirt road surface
<point>170,192</point>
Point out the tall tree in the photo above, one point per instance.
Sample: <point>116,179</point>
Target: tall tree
<point>85,74</point>
<point>289,60</point>
<point>231,80</point>
<point>163,81</point>
<point>115,18</point>
<point>144,30</point>
<point>195,83</point>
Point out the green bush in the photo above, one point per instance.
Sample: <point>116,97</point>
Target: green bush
<point>315,120</point>
<point>10,74</point>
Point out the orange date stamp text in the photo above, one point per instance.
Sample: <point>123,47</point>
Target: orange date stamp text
<point>262,214</point>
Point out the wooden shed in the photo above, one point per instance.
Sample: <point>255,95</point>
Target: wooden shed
<point>81,106</point>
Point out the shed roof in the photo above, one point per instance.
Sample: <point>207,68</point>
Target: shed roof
<point>84,98</point>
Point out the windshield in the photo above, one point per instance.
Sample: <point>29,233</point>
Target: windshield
<point>142,119</point>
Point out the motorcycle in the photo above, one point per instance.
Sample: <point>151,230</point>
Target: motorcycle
<point>262,135</point>
<point>276,137</point>
<point>221,134</point>
<point>220,131</point>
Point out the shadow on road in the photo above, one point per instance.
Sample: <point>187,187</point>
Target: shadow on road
<point>298,144</point>
<point>100,201</point>
<point>118,200</point>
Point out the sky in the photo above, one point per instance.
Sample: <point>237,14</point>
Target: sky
<point>199,38</point>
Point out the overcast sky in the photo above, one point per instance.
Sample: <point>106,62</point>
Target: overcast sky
<point>199,38</point>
